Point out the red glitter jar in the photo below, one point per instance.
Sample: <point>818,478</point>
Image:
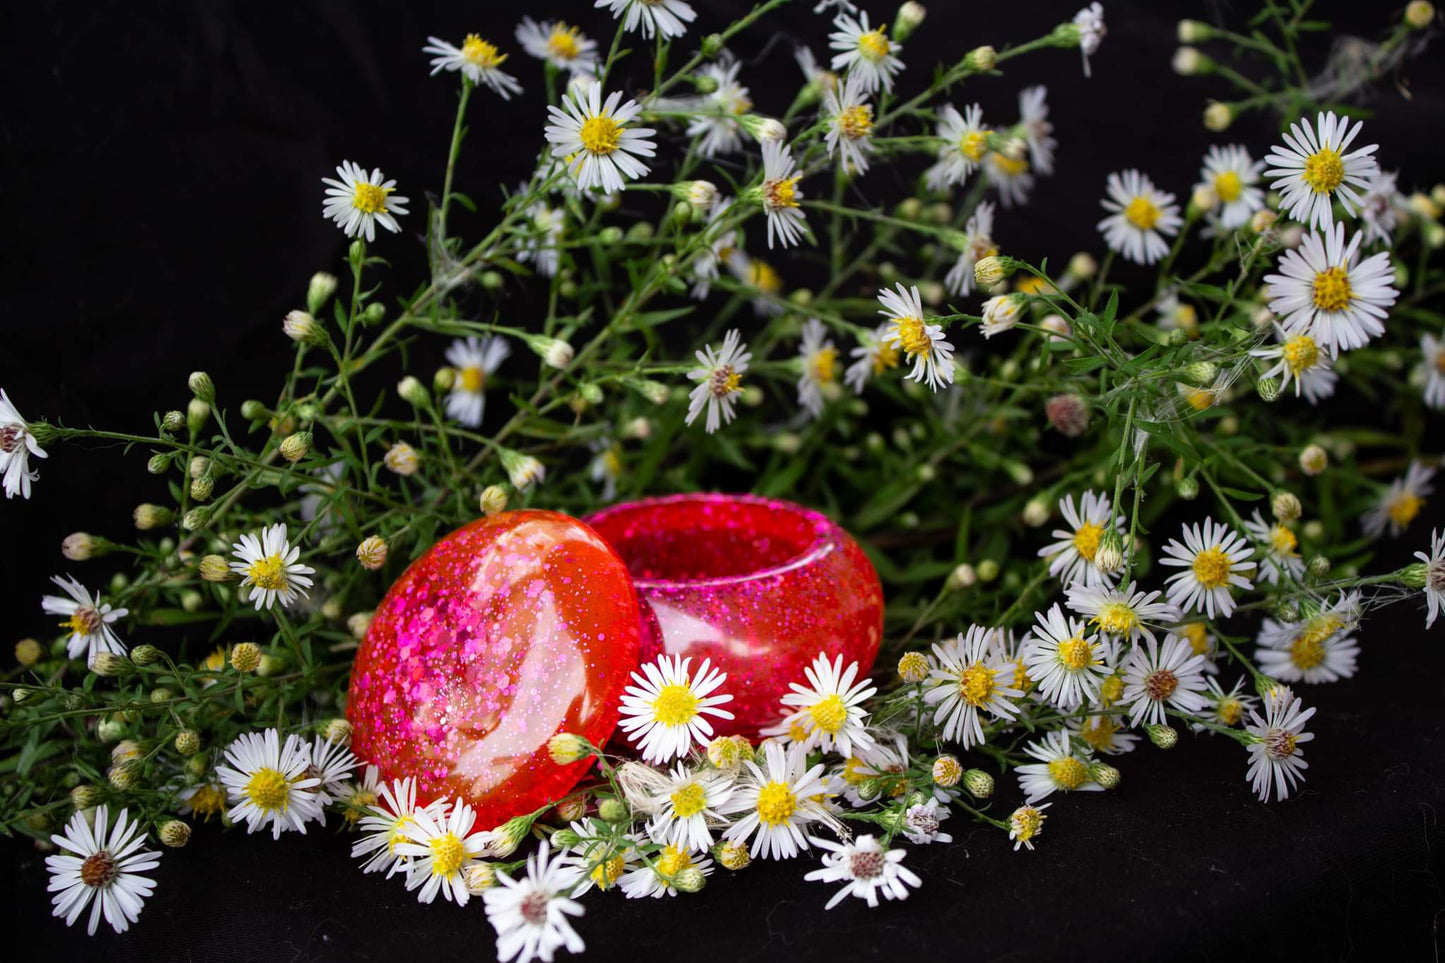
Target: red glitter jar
<point>758,586</point>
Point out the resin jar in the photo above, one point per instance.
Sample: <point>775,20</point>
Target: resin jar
<point>506,632</point>
<point>757,586</point>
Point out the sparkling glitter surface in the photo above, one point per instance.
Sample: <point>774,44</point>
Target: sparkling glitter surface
<point>503,634</point>
<point>758,586</point>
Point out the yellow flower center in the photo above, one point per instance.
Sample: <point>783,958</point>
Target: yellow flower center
<point>1301,353</point>
<point>725,381</point>
<point>481,53</point>
<point>206,801</point>
<point>673,861</point>
<point>612,462</point>
<point>974,144</point>
<point>854,771</point>
<point>1116,618</point>
<point>268,572</point>
<point>1211,568</point>
<point>1230,711</point>
<point>798,732</point>
<point>268,790</point>
<point>1283,541</point>
<point>976,685</point>
<point>85,620</point>
<point>781,192</point>
<point>1160,684</point>
<point>1142,213</point>
<point>1008,166</point>
<point>829,714</point>
<point>600,134</point>
<point>873,45</point>
<point>1404,507</point>
<point>1076,654</point>
<point>1280,743</point>
<point>607,871</point>
<point>825,365</point>
<point>776,803</point>
<point>1200,399</point>
<point>1068,772</point>
<point>369,198</point>
<point>1197,636</point>
<point>1098,731</point>
<point>1228,186</point>
<point>675,705</point>
<point>1308,648</point>
<point>1021,680</point>
<point>856,121</point>
<point>1027,822</point>
<point>473,379</point>
<point>397,834</point>
<point>1086,540</point>
<point>447,854</point>
<point>1324,170</point>
<point>764,278</point>
<point>563,42</point>
<point>1110,691</point>
<point>689,800</point>
<point>1331,290</point>
<point>887,357</point>
<point>913,335</point>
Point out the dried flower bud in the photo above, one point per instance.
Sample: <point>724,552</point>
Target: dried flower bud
<point>732,855</point>
<point>246,657</point>
<point>358,623</point>
<point>371,553</point>
<point>1218,117</point>
<point>174,833</point>
<point>913,667</point>
<point>1165,737</point>
<point>148,516</point>
<point>1068,414</point>
<point>947,771</point>
<point>27,652</point>
<point>201,386</point>
<point>1313,460</point>
<point>188,742</point>
<point>566,748</point>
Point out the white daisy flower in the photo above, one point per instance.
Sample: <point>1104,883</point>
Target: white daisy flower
<point>719,127</point>
<point>829,709</point>
<point>921,823</point>
<point>721,249</point>
<point>779,800</point>
<point>1060,768</point>
<point>331,763</point>
<point>1322,291</point>
<point>1000,313</point>
<point>1299,359</point>
<point>1401,502</point>
<point>1010,176</point>
<point>594,139</point>
<point>1379,209</point>
<point>1123,614</point>
<point>1199,639</point>
<point>965,142</point>
<point>530,913</point>
<point>1232,176</point>
<point>866,867</point>
<point>1226,708</point>
<point>888,764</point>
<point>819,358</point>
<point>865,50</point>
<point>564,47</point>
<point>780,195</point>
<point>359,201</point>
<point>1280,558</point>
<point>663,714</point>
<point>100,867</point>
<point>541,247</point>
<point>1276,761</point>
<point>477,59</point>
<point>1212,556</point>
<point>978,244</point>
<point>476,360</point>
<point>1071,558</point>
<point>969,679</point>
<point>606,466</point>
<point>1159,676</point>
<point>1434,587</point>
<point>1025,823</point>
<point>385,826</point>
<point>1432,351</point>
<point>268,782</point>
<point>1140,216</point>
<point>1176,315</point>
<point>601,858</point>
<point>1313,650</point>
<point>924,343</point>
<point>1103,733</point>
<point>438,846</point>
<point>719,378</point>
<point>1316,167</point>
<point>761,277</point>
<point>850,122</point>
<point>1010,651</point>
<point>657,880</point>
<point>270,568</point>
<point>1037,130</point>
<point>874,355</point>
<point>690,808</point>
<point>814,74</point>
<point>1090,21</point>
<point>17,444</point>
<point>666,17</point>
<point>1063,661</point>
<point>87,618</point>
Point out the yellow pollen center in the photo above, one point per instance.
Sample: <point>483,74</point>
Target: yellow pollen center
<point>600,134</point>
<point>1404,507</point>
<point>1076,654</point>
<point>1110,691</point>
<point>776,803</point>
<point>1027,822</point>
<point>447,854</point>
<point>887,357</point>
<point>1301,353</point>
<point>369,198</point>
<point>689,800</point>
<point>973,144</point>
<point>268,573</point>
<point>1086,540</point>
<point>1197,636</point>
<point>268,790</point>
<point>481,53</point>
<point>1009,166</point>
<point>1331,290</point>
<point>1228,186</point>
<point>673,861</point>
<point>856,121</point>
<point>83,621</point>
<point>1230,711</point>
<point>1142,213</point>
<point>1283,541</point>
<point>563,42</point>
<point>397,834</point>
<point>473,379</point>
<point>825,365</point>
<point>781,192</point>
<point>1200,399</point>
<point>1211,568</point>
<point>798,732</point>
<point>1324,170</point>
<point>206,801</point>
<point>855,771</point>
<point>829,714</point>
<point>1021,680</point>
<point>1116,618</point>
<point>873,45</point>
<point>913,336</point>
<point>607,871</point>
<point>725,381</point>
<point>675,705</point>
<point>1308,648</point>
<point>976,685</point>
<point>1098,732</point>
<point>1068,772</point>
<point>764,278</point>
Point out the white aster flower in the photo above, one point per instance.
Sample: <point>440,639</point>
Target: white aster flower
<point>874,355</point>
<point>779,799</point>
<point>477,59</point>
<point>819,358</point>
<point>1158,676</point>
<point>1090,21</point>
<point>718,125</point>
<point>1037,130</point>
<point>530,913</point>
<point>1325,291</point>
<point>1432,352</point>
<point>1177,315</point>
<point>1400,503</point>
<point>965,142</point>
<point>1000,313</point>
<point>100,867</point>
<point>595,141</point>
<point>689,808</point>
<point>663,713</point>
<point>658,879</point>
<point>1297,358</point>
<point>921,823</point>
<point>866,867</point>
<point>1226,708</point>
<point>1060,768</point>
<point>385,824</point>
<point>923,343</point>
<point>1316,167</point>
<point>666,17</point>
<point>268,782</point>
<point>1121,613</point>
<point>1213,557</point>
<point>1025,823</point>
<point>438,846</point>
<point>1139,217</point>
<point>17,444</point>
<point>541,247</point>
<point>269,567</point>
<point>564,47</point>
<point>359,201</point>
<point>88,620</point>
<point>476,360</point>
<point>850,122</point>
<point>888,764</point>
<point>1071,558</point>
<point>866,51</point>
<point>1103,733</point>
<point>331,763</point>
<point>1063,660</point>
<point>1276,761</point>
<point>969,679</point>
<point>601,859</point>
<point>606,466</point>
<point>829,709</point>
<point>978,244</point>
<point>1280,558</point>
<point>1320,648</point>
<point>1010,176</point>
<point>721,249</point>
<point>1232,176</point>
<point>719,378</point>
<point>1434,587</point>
<point>780,195</point>
<point>1379,209</point>
<point>1009,649</point>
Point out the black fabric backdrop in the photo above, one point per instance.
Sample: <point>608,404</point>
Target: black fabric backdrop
<point>160,172</point>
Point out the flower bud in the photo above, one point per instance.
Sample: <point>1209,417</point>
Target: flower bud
<point>145,654</point>
<point>523,471</point>
<point>371,553</point>
<point>111,728</point>
<point>320,289</point>
<point>493,500</point>
<point>1268,389</point>
<point>413,392</point>
<point>188,742</point>
<point>1201,373</point>
<point>27,652</point>
<point>1188,62</point>
<point>564,839</point>
<point>1057,326</point>
<point>988,570</point>
<point>197,411</point>
<point>1082,266</point>
<point>376,311</point>
<point>158,464</point>
<point>1105,775</point>
<point>125,775</point>
<point>962,577</point>
<point>79,546</point>
<point>174,833</point>
<point>712,45</point>
<point>1165,737</point>
<point>1286,506</point>
<point>571,808</point>
<point>1194,31</point>
<point>555,352</point>
<point>201,386</point>
<point>566,748</point>
<point>1319,567</point>
<point>85,795</point>
<point>1218,116</point>
<point>913,667</point>
<point>1419,14</point>
<point>991,270</point>
<point>729,752</point>
<point>700,194</point>
<point>1187,488</point>
<point>202,488</point>
<point>1068,414</point>
<point>108,664</point>
<point>980,784</point>
<point>358,624</point>
<point>401,459</point>
<point>1036,511</point>
<point>196,519</point>
<point>214,568</point>
<point>246,657</point>
<point>1313,460</point>
<point>947,771</point>
<point>766,128</point>
<point>732,855</point>
<point>148,516</point>
<point>479,876</point>
<point>689,879</point>
<point>613,810</point>
<point>1109,557</point>
<point>981,59</point>
<point>1202,200</point>
<point>172,421</point>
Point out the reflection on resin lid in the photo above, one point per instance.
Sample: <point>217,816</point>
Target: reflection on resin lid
<point>504,633</point>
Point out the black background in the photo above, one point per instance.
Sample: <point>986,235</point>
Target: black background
<point>162,212</point>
